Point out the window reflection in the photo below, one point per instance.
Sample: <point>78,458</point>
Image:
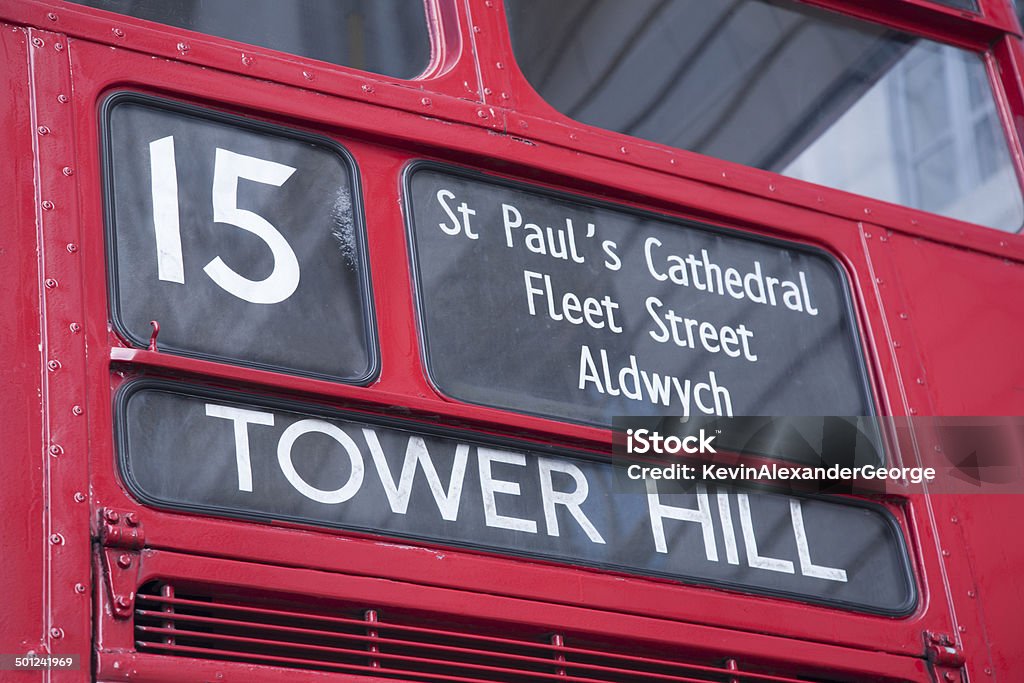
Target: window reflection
<point>383,36</point>
<point>784,87</point>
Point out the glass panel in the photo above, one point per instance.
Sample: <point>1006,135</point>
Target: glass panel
<point>971,5</point>
<point>383,36</point>
<point>781,86</point>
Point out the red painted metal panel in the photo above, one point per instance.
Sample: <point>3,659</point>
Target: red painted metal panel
<point>912,274</point>
<point>21,534</point>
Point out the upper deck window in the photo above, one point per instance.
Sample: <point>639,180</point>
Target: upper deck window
<point>388,37</point>
<point>784,87</point>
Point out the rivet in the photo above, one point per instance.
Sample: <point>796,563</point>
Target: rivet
<point>79,497</point>
<point>38,42</point>
<point>771,187</point>
<point>77,410</point>
<point>523,123</point>
<point>58,46</point>
<point>307,75</point>
<point>183,47</point>
<point>55,449</point>
<point>878,279</point>
<point>476,29</point>
<point>945,553</point>
<point>867,235</point>
<point>367,88</point>
<point>124,560</point>
<point>75,327</point>
<point>903,316</point>
<point>49,283</point>
<point>53,364</point>
<point>913,221</point>
<point>43,130</point>
<point>426,102</point>
<point>574,136</point>
<point>117,32</point>
<point>920,380</point>
<point>62,98</point>
<point>72,247</point>
<point>481,113</point>
<point>1002,243</point>
<point>51,16</point>
<point>47,205</point>
<point>821,200</point>
<point>111,516</point>
<point>56,633</point>
<point>504,96</point>
<point>913,411</point>
<point>247,60</point>
<point>988,671</point>
<point>954,519</point>
<point>117,666</point>
<point>896,345</point>
<point>488,91</point>
<point>883,238</point>
<point>499,65</point>
<point>80,588</point>
<point>68,171</point>
<point>972,594</point>
<point>56,539</point>
<point>623,150</point>
<point>962,628</point>
<point>489,3</point>
<point>937,448</point>
<point>867,211</point>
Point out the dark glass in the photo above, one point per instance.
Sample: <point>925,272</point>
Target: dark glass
<point>383,36</point>
<point>243,241</point>
<point>781,86</point>
<point>970,5</point>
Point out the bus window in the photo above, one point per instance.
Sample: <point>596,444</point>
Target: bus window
<point>783,87</point>
<point>971,5</point>
<point>388,37</point>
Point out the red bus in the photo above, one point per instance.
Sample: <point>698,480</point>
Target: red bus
<point>319,318</point>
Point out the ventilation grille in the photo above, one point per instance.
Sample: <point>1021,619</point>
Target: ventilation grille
<point>302,633</point>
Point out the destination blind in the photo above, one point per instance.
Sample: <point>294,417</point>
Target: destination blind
<point>560,306</point>
<point>228,454</point>
<point>236,455</point>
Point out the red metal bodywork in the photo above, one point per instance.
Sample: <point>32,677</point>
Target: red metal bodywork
<point>937,300</point>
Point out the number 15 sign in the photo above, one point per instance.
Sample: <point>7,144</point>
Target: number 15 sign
<point>243,240</point>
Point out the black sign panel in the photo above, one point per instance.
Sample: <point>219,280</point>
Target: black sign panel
<point>568,308</point>
<point>243,241</point>
<point>200,450</point>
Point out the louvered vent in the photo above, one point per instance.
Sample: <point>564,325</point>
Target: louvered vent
<point>297,632</point>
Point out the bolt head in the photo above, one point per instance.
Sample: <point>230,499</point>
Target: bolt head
<point>131,519</point>
<point>124,560</point>
<point>111,516</point>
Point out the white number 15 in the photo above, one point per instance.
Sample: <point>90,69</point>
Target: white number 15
<point>227,169</point>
